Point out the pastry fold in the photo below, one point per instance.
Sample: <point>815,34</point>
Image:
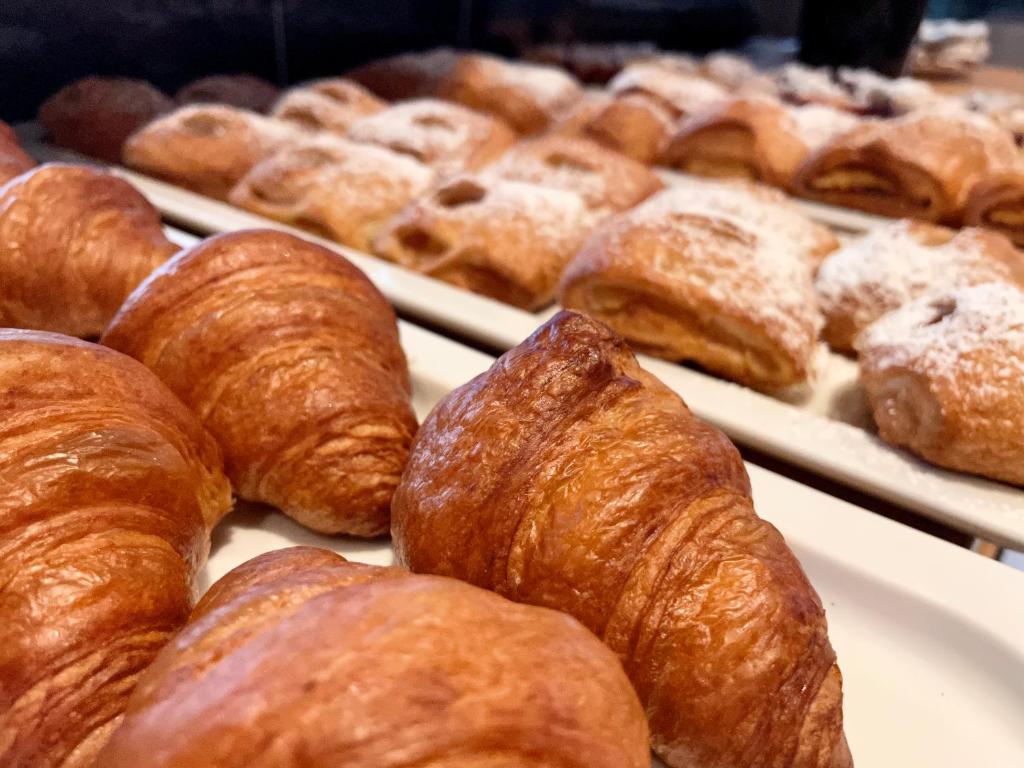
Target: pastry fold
<point>367,667</point>
<point>14,161</point>
<point>333,104</point>
<point>997,202</point>
<point>566,476</point>
<point>290,357</point>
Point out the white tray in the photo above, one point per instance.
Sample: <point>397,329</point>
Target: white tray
<point>930,637</point>
<point>824,432</point>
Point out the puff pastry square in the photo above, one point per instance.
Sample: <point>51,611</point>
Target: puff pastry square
<point>333,104</point>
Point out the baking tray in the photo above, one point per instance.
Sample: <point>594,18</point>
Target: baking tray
<point>930,637</point>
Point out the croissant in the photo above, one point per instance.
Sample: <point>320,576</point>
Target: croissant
<point>241,90</point>
<point>566,476</point>
<point>997,202</point>
<point>503,239</point>
<point>208,148</point>
<point>299,657</point>
<point>345,190</point>
<point>96,115</point>
<point>447,137</point>
<point>74,242</point>
<point>711,273</point>
<point>290,357</point>
<point>943,376</point>
<point>109,489</point>
<point>895,263</point>
<point>921,166</point>
<point>406,76</point>
<point>14,161</point>
<point>333,104</point>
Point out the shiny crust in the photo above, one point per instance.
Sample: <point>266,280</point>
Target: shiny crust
<point>528,97</point>
<point>333,104</point>
<point>918,166</point>
<point>74,242</point>
<point>96,115</point>
<point>504,239</point>
<point>207,148</point>
<point>241,91</point>
<point>997,202</point>
<point>407,75</point>
<point>337,663</point>
<point>568,477</point>
<point>341,189</point>
<point>290,357</point>
<point>448,137</point>
<point>110,486</point>
<point>14,161</point>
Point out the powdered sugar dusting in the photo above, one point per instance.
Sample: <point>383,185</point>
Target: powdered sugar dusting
<point>685,93</point>
<point>816,124</point>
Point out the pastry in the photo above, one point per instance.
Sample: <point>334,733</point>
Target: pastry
<point>299,657</point>
<point>110,487</point>
<point>943,375</point>
<point>888,97</point>
<point>898,262</point>
<point>592,62</point>
<point>948,48</point>
<point>331,105</point>
<point>566,476</point>
<point>448,137</point>
<point>527,97</point>
<point>411,75</point>
<point>997,202</point>
<point>1001,107</point>
<point>573,122</point>
<point>14,161</point>
<point>290,358</point>
<point>74,242</point>
<point>607,181</point>
<point>649,99</point>
<point>920,166</point>
<point>241,91</point>
<point>341,189</point>
<point>207,148</point>
<point>800,84</point>
<point>96,115</point>
<point>505,239</point>
<point>706,273</point>
<point>753,138</point>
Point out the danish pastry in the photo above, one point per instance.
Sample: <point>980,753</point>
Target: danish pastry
<point>331,105</point>
<point>997,202</point>
<point>411,75</point>
<point>241,91</point>
<point>14,161</point>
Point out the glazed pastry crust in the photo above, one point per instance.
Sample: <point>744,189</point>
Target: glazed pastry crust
<point>504,239</point>
<point>74,242</point>
<point>595,491</point>
<point>241,91</point>
<point>14,161</point>
<point>372,667</point>
<point>110,487</point>
<point>997,202</point>
<point>338,188</point>
<point>333,104</point>
<point>290,357</point>
<point>409,75</point>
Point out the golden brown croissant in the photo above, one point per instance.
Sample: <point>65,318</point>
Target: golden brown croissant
<point>921,166</point>
<point>712,273</point>
<point>944,378</point>
<point>14,161</point>
<point>528,97</point>
<point>997,202</point>
<point>333,104</point>
<point>897,262</point>
<point>300,658</point>
<point>448,137</point>
<point>109,489</point>
<point>406,76</point>
<point>567,476</point>
<point>96,115</point>
<point>241,90</point>
<point>504,239</point>
<point>74,242</point>
<point>290,357</point>
<point>208,147</point>
<point>344,190</point>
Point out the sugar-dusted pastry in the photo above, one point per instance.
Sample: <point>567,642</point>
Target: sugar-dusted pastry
<point>943,375</point>
<point>110,487</point>
<point>96,115</point>
<point>800,84</point>
<point>591,62</point>
<point>607,180</point>
<point>14,161</point>
<point>528,97</point>
<point>333,104</point>
<point>649,99</point>
<point>879,95</point>
<point>207,147</point>
<point>342,189</point>
<point>566,476</point>
<point>299,657</point>
<point>920,166</point>
<point>74,242</point>
<point>753,137</point>
<point>410,75</point>
<point>242,91</point>
<point>948,47</point>
<point>1004,108</point>
<point>997,202</point>
<point>505,239</point>
<point>708,273</point>
<point>898,262</point>
<point>290,358</point>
